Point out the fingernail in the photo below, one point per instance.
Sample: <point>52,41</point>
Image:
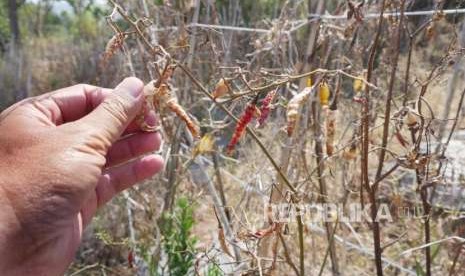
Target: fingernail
<point>133,86</point>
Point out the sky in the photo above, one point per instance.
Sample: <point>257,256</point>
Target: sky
<point>60,6</point>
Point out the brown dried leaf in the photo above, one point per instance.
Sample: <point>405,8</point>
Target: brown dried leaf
<point>260,234</point>
<point>350,153</point>
<point>223,243</point>
<point>205,145</point>
<point>221,89</point>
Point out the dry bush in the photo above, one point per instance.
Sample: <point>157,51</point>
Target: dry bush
<point>395,99</point>
<point>44,64</point>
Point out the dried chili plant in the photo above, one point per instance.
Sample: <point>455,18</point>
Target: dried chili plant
<point>160,96</point>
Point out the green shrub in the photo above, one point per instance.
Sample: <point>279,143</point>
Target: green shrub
<point>178,242</point>
<point>214,270</point>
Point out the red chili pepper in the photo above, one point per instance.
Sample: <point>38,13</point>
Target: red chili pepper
<point>131,259</point>
<point>266,107</point>
<point>245,119</point>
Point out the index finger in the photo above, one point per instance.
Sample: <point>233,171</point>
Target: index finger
<point>72,103</point>
<point>61,106</point>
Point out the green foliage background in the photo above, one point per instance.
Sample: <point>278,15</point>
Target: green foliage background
<point>4,27</point>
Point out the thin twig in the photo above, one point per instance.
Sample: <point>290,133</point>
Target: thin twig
<point>365,146</point>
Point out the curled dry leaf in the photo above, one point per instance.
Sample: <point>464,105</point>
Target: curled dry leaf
<point>350,153</point>
<point>165,75</point>
<point>205,145</point>
<point>221,88</point>
<point>245,119</point>
<point>222,240</point>
<point>430,31</point>
<point>266,107</point>
<point>293,108</point>
<point>358,85</point>
<point>162,98</point>
<point>350,29</point>
<point>411,118</point>
<point>259,234</point>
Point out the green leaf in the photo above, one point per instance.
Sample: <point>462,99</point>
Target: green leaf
<point>435,251</point>
<point>419,269</point>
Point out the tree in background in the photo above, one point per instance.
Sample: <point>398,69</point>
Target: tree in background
<point>13,7</point>
<point>4,27</point>
<point>42,13</point>
<point>80,6</point>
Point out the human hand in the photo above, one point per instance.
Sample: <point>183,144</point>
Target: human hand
<point>63,155</point>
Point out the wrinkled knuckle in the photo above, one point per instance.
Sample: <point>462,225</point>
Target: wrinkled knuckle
<point>85,88</point>
<point>81,86</point>
<point>118,108</point>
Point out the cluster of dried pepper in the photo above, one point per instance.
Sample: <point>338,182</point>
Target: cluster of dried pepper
<point>266,107</point>
<point>292,114</point>
<point>246,118</point>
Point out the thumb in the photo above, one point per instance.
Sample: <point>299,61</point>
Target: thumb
<point>109,120</point>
